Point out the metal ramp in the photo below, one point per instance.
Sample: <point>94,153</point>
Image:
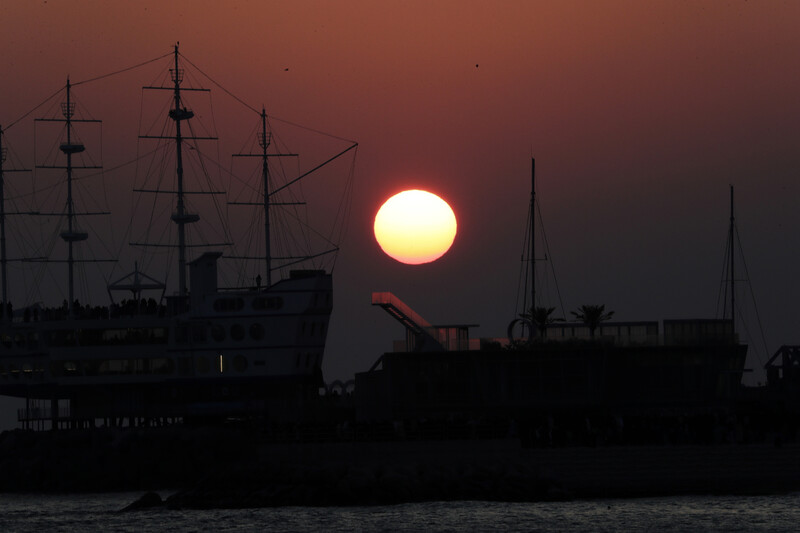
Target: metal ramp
<point>785,364</point>
<point>402,312</point>
<point>420,334</point>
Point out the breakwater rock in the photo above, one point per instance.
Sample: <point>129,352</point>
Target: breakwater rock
<point>234,468</point>
<point>324,485</point>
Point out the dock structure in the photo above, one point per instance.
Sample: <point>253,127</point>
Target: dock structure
<point>421,336</point>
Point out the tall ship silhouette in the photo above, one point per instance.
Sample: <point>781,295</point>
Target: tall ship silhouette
<point>187,348</point>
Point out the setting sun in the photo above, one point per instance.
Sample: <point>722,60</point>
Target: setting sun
<point>415,227</point>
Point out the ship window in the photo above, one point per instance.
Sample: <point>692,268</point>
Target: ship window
<point>313,328</point>
<point>202,365</point>
<point>115,366</point>
<point>199,334</point>
<point>218,333</point>
<point>221,360</point>
<point>181,334</point>
<point>3,371</point>
<point>184,365</point>
<point>14,370</point>
<point>259,362</point>
<point>224,305</point>
<point>161,365</point>
<point>240,363</point>
<point>272,302</point>
<point>257,331</point>
<point>237,332</point>
<point>94,337</point>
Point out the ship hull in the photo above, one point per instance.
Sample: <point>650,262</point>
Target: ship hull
<point>236,352</point>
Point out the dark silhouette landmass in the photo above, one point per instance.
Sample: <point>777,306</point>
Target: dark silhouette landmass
<point>232,467</point>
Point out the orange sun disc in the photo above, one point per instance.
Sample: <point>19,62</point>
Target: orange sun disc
<point>415,227</point>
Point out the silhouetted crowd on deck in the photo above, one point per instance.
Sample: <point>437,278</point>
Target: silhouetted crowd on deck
<point>125,308</point>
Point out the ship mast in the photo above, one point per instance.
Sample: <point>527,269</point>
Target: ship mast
<point>70,236</point>
<point>181,217</point>
<point>731,236</point>
<point>3,214</point>
<point>3,259</point>
<point>70,147</point>
<point>178,113</point>
<point>533,237</point>
<point>263,140</point>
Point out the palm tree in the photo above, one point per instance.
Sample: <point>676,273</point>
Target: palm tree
<point>540,317</point>
<point>592,316</point>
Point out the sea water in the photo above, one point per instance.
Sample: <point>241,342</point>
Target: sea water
<point>100,512</point>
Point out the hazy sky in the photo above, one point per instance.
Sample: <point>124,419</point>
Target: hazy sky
<point>640,116</point>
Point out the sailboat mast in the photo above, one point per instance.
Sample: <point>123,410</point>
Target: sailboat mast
<point>68,111</point>
<point>264,143</point>
<point>176,78</point>
<point>533,236</point>
<point>3,260</point>
<point>181,217</point>
<point>70,236</point>
<point>731,236</point>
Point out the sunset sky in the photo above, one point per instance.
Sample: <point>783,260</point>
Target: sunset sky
<point>639,114</point>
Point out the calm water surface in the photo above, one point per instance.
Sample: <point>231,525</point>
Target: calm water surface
<point>98,512</point>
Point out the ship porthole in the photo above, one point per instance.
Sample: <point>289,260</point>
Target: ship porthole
<point>240,363</point>
<point>256,331</point>
<point>237,332</point>
<point>218,333</point>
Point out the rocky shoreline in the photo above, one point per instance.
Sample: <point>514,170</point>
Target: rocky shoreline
<point>234,468</point>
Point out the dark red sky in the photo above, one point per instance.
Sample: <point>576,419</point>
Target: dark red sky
<point>640,115</point>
